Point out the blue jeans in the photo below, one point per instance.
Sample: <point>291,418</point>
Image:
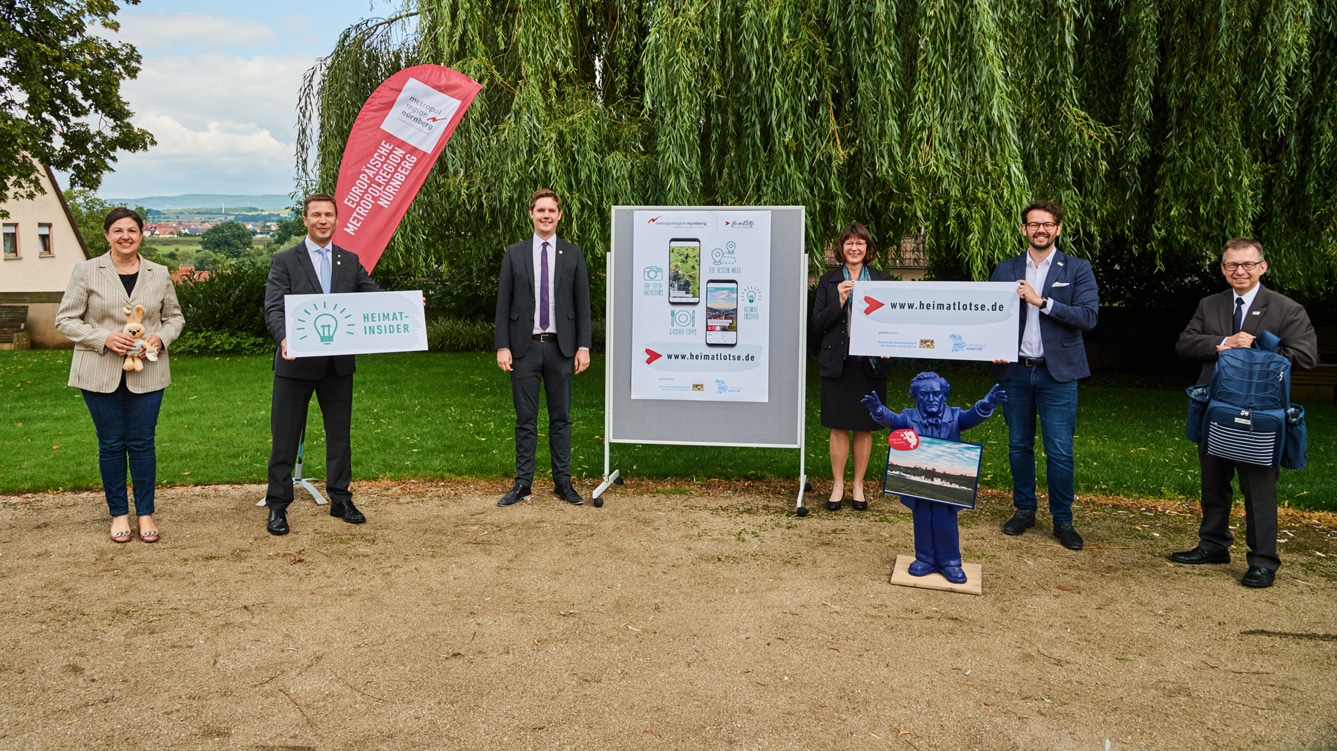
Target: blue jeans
<point>1031,392</point>
<point>125,424</point>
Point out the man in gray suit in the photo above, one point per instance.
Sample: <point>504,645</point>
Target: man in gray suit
<point>312,267</point>
<point>543,336</point>
<point>1234,318</point>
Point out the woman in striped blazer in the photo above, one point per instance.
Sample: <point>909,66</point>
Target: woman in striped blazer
<point>124,405</point>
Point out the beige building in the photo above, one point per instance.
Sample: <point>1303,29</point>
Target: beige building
<point>41,248</point>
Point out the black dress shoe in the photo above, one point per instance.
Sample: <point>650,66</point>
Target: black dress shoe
<point>858,505</point>
<point>833,505</point>
<point>278,521</point>
<point>347,511</point>
<point>567,493</point>
<point>1201,555</point>
<point>1258,577</point>
<point>1068,537</point>
<point>1021,521</point>
<point>518,492</point>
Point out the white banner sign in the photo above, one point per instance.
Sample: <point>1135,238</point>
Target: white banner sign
<point>355,323</point>
<point>936,320</point>
<point>700,319</point>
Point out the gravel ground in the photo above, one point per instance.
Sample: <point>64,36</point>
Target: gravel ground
<point>673,617</point>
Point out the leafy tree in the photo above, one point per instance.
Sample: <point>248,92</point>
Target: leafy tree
<point>60,93</point>
<point>290,231</point>
<point>229,239</point>
<point>1164,127</point>
<point>89,211</point>
<point>204,260</point>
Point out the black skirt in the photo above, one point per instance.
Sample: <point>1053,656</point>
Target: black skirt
<point>841,409</point>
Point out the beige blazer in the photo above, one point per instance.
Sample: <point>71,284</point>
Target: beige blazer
<point>93,308</point>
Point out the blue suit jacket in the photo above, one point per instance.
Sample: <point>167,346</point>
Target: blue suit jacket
<point>1071,285</point>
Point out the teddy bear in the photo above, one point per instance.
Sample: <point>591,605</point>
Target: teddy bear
<point>134,328</point>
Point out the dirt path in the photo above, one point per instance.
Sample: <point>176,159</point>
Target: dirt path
<point>673,620</point>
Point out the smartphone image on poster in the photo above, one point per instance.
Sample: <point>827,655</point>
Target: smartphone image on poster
<point>722,312</point>
<point>684,271</point>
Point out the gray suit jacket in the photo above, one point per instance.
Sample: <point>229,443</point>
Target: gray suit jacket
<point>93,307</point>
<point>516,304</point>
<point>291,273</point>
<point>1271,311</point>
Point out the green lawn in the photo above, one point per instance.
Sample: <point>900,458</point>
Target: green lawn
<point>448,416</point>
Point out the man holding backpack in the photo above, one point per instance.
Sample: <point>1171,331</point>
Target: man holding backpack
<point>1230,319</point>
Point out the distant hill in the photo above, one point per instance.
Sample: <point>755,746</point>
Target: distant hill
<point>206,201</point>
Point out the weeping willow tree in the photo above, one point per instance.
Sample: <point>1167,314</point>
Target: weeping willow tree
<point>1163,126</point>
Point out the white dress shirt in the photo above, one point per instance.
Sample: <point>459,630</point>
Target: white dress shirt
<point>1248,298</point>
<point>1031,343</point>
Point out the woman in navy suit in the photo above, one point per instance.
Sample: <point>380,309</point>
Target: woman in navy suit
<point>846,379</point>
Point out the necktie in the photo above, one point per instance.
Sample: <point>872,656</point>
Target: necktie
<point>1239,315</point>
<point>324,269</point>
<point>543,288</point>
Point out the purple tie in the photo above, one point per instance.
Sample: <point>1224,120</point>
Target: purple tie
<point>543,288</point>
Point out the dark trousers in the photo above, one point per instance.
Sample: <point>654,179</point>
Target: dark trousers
<point>287,419</point>
<point>543,362</point>
<point>125,423</point>
<point>1259,486</point>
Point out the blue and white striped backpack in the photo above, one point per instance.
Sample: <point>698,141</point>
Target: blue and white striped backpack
<point>1248,408</point>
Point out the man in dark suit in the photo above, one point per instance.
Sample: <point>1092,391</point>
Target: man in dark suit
<point>1060,302</point>
<point>1234,318</point>
<point>543,335</point>
<point>312,267</point>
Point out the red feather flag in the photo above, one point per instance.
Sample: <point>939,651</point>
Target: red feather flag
<point>396,139</point>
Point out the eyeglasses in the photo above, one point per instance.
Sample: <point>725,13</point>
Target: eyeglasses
<point>1032,226</point>
<point>1246,265</point>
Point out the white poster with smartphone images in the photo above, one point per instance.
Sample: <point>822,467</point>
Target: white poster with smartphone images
<point>700,316</point>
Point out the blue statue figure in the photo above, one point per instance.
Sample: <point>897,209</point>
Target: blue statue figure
<point>937,539</point>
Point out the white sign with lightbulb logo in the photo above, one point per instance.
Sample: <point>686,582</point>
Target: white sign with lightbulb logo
<point>357,323</point>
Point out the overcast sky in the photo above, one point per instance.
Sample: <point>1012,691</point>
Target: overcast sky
<point>218,86</point>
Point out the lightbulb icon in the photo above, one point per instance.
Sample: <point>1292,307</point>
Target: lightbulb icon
<point>326,327</point>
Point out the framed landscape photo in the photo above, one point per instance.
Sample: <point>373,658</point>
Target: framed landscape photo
<point>934,469</point>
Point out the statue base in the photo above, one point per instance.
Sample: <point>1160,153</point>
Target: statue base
<point>901,576</point>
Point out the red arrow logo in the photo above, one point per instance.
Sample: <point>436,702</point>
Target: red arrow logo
<point>651,356</point>
<point>872,304</point>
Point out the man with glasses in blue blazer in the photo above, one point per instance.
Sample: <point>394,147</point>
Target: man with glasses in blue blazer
<point>1060,302</point>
